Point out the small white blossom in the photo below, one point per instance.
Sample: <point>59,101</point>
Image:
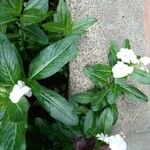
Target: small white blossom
<point>143,62</point>
<point>127,56</point>
<point>19,90</point>
<point>102,137</point>
<point>115,142</point>
<point>121,70</point>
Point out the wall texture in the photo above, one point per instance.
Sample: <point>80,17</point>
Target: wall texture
<point>117,20</point>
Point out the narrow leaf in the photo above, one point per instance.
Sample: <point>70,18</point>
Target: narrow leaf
<point>82,25</point>
<point>113,94</point>
<point>32,16</point>
<point>134,93</point>
<point>38,4</point>
<point>63,16</point>
<point>126,44</point>
<point>17,111</point>
<point>100,102</point>
<point>53,58</point>
<point>112,56</point>
<point>106,120</point>
<point>141,76</point>
<point>12,134</point>
<point>85,98</point>
<point>55,105</point>
<point>36,34</point>
<point>98,74</point>
<point>53,27</point>
<point>89,121</point>
<point>10,65</point>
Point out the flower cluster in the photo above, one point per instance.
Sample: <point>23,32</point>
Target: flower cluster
<point>19,90</point>
<point>115,142</point>
<point>129,61</point>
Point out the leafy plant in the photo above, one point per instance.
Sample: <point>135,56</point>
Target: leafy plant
<point>29,53</point>
<point>100,103</point>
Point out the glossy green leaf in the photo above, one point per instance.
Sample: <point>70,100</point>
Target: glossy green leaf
<point>12,134</point>
<point>17,111</point>
<point>36,34</point>
<point>112,56</point>
<point>10,65</point>
<point>106,120</point>
<point>10,7</point>
<point>89,121</point>
<point>32,16</point>
<point>113,94</point>
<point>53,58</point>
<point>38,4</point>
<point>55,105</point>
<point>5,19</point>
<point>82,25</point>
<point>84,98</point>
<point>141,76</point>
<point>98,74</point>
<point>53,27</point>
<point>134,93</point>
<point>126,44</point>
<point>63,16</point>
<point>115,112</point>
<point>100,102</point>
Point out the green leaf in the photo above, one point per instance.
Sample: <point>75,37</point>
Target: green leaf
<point>89,121</point>
<point>32,16</point>
<point>113,94</point>
<point>100,102</point>
<point>17,111</point>
<point>53,58</point>
<point>55,105</point>
<point>82,25</point>
<point>106,120</point>
<point>84,98</point>
<point>121,80</point>
<point>5,19</point>
<point>115,112</point>
<point>10,7</point>
<point>10,65</point>
<point>3,28</point>
<point>63,16</point>
<point>36,34</point>
<point>12,134</point>
<point>38,4</point>
<point>126,44</point>
<point>112,56</point>
<point>134,93</point>
<point>53,27</point>
<point>141,76</point>
<point>98,74</point>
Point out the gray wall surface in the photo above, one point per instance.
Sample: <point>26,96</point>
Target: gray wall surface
<point>117,20</point>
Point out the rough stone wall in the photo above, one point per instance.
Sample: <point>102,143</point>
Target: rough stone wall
<point>117,20</point>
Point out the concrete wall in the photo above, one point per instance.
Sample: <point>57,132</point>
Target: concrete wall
<point>117,20</point>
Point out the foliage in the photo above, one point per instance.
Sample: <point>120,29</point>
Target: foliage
<point>35,44</point>
<point>97,107</point>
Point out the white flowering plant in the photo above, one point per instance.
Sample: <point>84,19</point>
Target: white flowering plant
<point>97,107</point>
<point>36,42</point>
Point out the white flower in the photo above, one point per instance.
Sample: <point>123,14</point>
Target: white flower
<point>143,62</point>
<point>127,56</point>
<point>102,137</point>
<point>19,90</point>
<point>115,142</point>
<point>121,70</point>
